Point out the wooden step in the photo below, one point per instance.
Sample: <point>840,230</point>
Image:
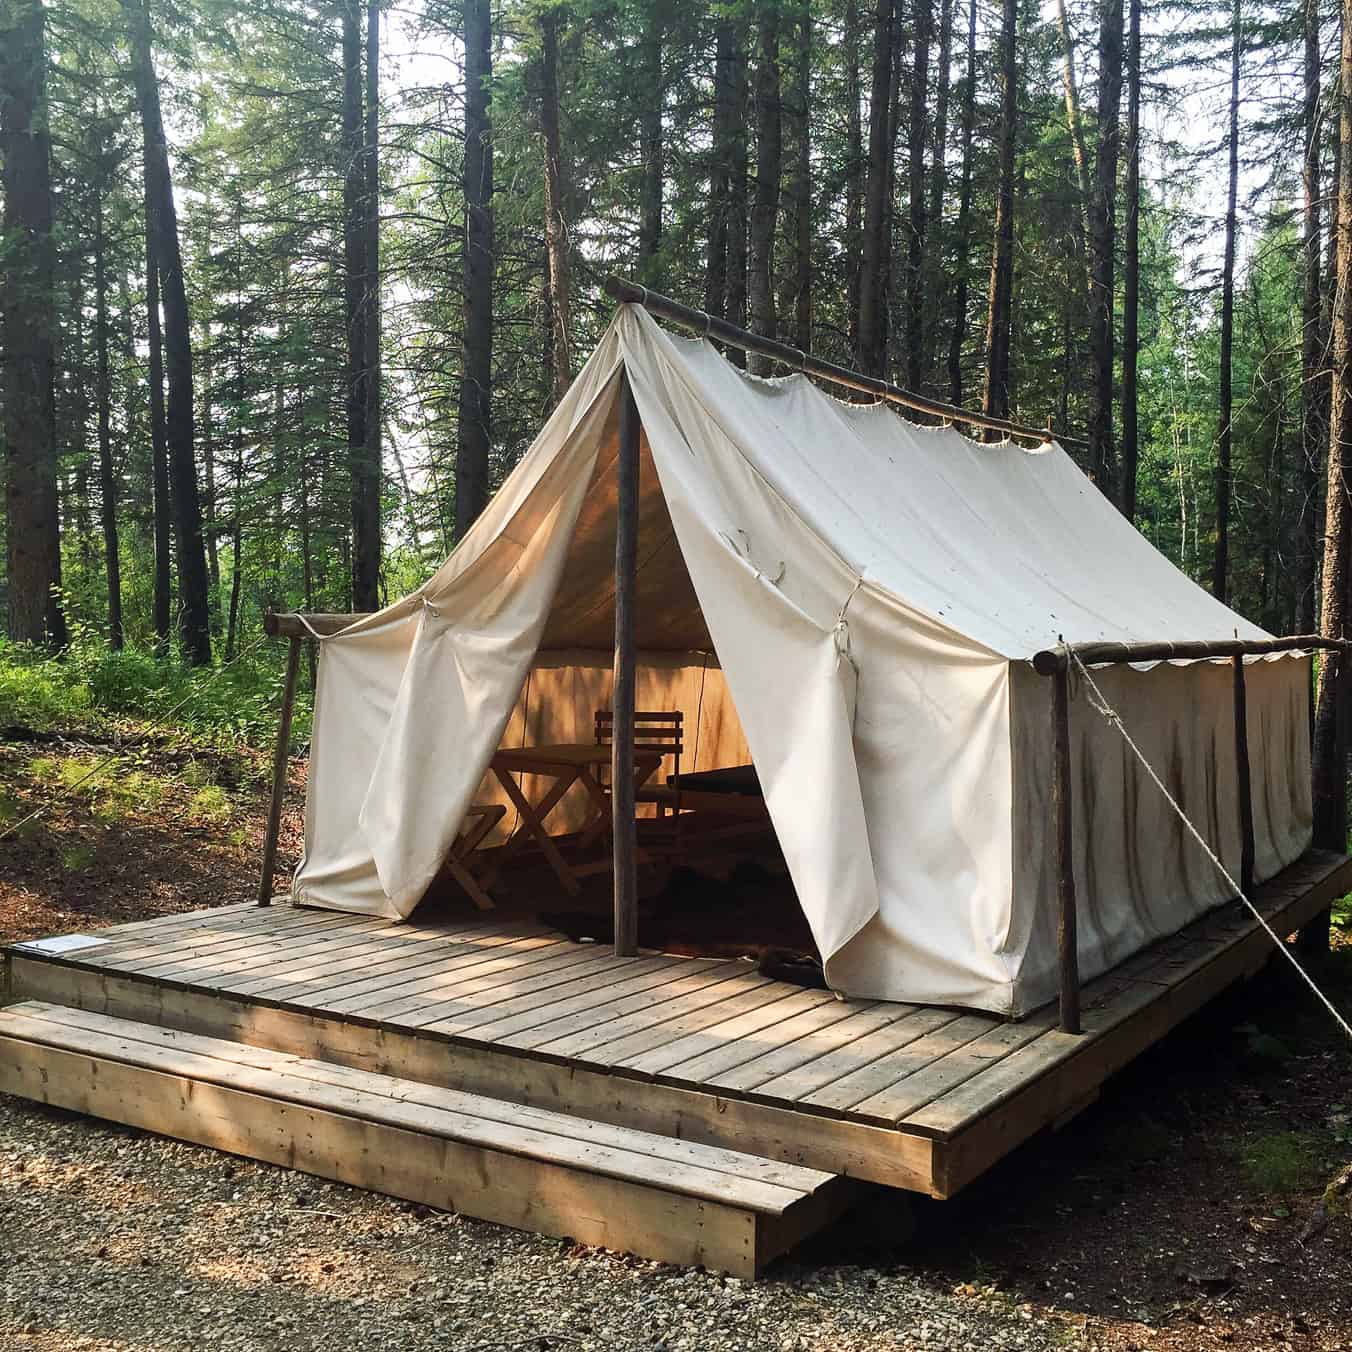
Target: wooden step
<point>532,1168</point>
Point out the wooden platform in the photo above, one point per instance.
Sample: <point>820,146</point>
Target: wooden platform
<point>700,1050</point>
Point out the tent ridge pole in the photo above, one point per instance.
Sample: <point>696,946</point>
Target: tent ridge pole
<point>710,326</point>
<point>624,844</point>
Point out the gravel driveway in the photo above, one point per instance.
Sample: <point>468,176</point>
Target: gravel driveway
<point>113,1239</point>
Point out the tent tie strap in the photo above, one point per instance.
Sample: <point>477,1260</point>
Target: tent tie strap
<point>1099,702</point>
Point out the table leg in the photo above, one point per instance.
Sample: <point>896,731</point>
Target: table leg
<point>532,820</point>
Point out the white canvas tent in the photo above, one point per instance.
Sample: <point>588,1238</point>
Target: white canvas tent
<point>851,601</point>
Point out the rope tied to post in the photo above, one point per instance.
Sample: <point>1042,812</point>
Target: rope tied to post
<point>1098,701</point>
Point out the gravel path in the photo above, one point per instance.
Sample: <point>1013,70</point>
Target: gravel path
<point>113,1239</point>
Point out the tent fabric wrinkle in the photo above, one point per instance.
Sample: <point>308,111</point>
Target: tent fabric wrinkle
<point>851,601</point>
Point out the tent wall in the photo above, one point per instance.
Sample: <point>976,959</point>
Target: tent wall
<point>1138,874</point>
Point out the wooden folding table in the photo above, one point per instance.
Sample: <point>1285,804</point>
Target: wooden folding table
<point>564,765</point>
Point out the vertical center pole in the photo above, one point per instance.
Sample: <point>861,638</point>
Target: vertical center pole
<point>1244,782</point>
<point>279,763</point>
<point>1067,941</point>
<point>623,829</point>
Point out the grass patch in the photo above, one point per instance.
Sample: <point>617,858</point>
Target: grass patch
<point>77,858</point>
<point>211,805</point>
<point>1284,1161</point>
<point>224,709</point>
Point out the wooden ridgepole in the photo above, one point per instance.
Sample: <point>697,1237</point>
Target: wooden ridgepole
<point>1065,859</point>
<point>279,761</point>
<point>624,844</point>
<point>1243,778</point>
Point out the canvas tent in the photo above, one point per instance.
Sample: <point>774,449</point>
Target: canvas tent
<point>851,601</point>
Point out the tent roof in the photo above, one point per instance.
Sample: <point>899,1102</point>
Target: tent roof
<point>1010,547</point>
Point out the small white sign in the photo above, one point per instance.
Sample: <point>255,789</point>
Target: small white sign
<point>61,943</point>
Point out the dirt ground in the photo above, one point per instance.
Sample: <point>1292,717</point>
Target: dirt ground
<point>1168,1216</point>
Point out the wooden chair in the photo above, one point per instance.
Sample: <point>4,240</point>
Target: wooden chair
<point>480,819</point>
<point>659,732</point>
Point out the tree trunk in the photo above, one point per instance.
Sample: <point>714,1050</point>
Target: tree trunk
<point>79,438</point>
<point>27,308</point>
<point>1131,271</point>
<point>476,380</point>
<point>207,432</point>
<point>1330,732</point>
<point>720,168</point>
<point>937,280</point>
<point>1102,240</point>
<point>1075,125</point>
<point>103,393</point>
<point>874,251</point>
<point>913,336</point>
<point>802,180</point>
<point>192,559</point>
<point>1221,565</point>
<point>650,143</point>
<point>854,169</point>
<point>1000,312</point>
<point>735,305</point>
<point>366,461</point>
<point>354,257</point>
<point>1313,432</point>
<point>159,451</point>
<point>769,161</point>
<point>556,230</point>
<point>958,337</point>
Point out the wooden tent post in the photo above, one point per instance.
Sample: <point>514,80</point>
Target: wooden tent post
<point>1243,778</point>
<point>1065,859</point>
<point>279,762</point>
<point>624,844</point>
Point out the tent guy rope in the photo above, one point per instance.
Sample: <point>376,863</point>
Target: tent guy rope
<point>1099,702</point>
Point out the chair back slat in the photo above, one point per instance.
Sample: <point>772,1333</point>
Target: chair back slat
<point>654,730</point>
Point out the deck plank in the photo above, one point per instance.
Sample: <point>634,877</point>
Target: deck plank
<point>929,1082</point>
<point>711,1066</point>
<point>542,970</point>
<point>161,947</point>
<point>431,973</point>
<point>361,957</point>
<point>541,984</point>
<point>625,1052</point>
<point>164,958</point>
<point>378,978</point>
<point>859,1022</point>
<point>815,1075</point>
<point>585,1035</point>
<point>848,1090</point>
<point>591,1002</point>
<point>666,1052</point>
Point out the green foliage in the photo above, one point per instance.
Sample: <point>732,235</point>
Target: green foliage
<point>210,805</point>
<point>93,689</point>
<point>1284,1162</point>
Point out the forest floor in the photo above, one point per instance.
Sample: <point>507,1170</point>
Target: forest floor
<point>1166,1218</point>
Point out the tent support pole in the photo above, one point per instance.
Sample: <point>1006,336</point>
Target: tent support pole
<point>1065,861</point>
<point>1245,784</point>
<point>710,326</point>
<point>279,761</point>
<point>624,844</point>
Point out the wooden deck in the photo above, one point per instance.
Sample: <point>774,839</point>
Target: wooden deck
<point>704,1050</point>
